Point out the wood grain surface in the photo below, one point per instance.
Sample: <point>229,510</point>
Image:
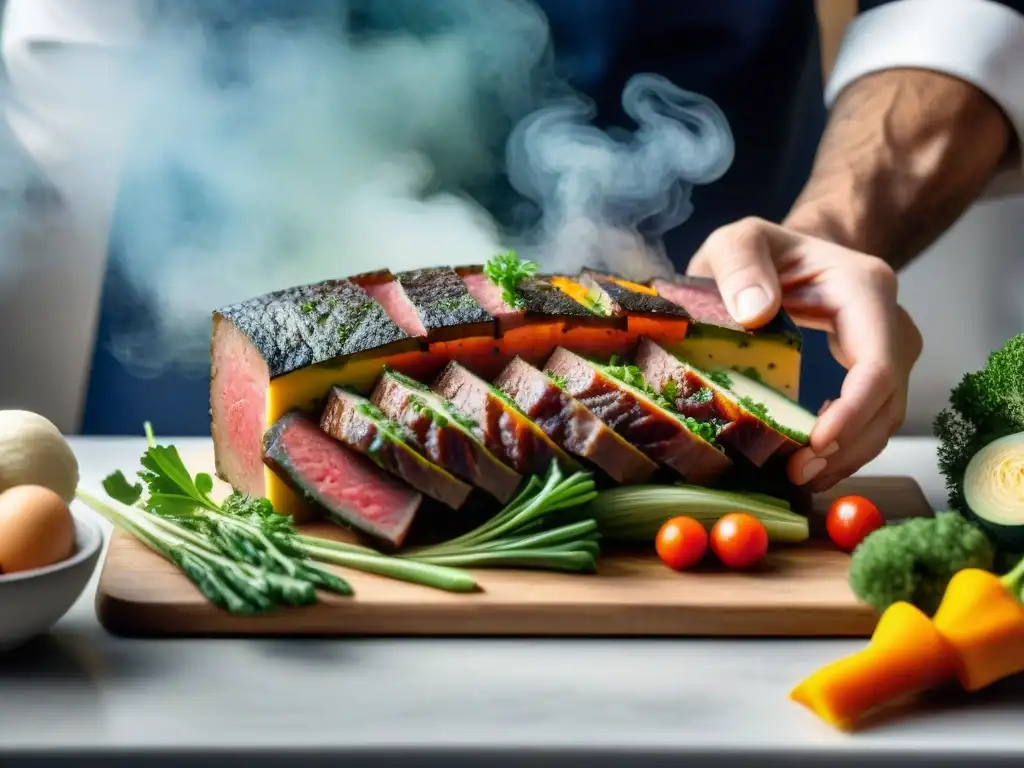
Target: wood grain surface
<point>799,591</point>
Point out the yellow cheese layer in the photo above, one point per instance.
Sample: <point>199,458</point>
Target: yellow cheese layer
<point>576,291</point>
<point>776,363</point>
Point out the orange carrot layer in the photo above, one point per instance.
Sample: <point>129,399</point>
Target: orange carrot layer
<point>984,624</point>
<point>906,656</point>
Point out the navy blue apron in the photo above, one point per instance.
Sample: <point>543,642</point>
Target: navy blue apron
<point>759,61</point>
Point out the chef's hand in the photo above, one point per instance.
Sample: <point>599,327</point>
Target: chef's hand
<point>759,266</point>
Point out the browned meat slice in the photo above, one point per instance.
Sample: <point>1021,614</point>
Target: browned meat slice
<point>695,394</point>
<point>669,438</point>
<point>359,424</point>
<point>571,425</point>
<point>442,435</point>
<point>503,428</point>
<point>701,299</point>
<point>351,490</point>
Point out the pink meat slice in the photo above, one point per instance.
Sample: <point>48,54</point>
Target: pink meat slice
<point>488,296</point>
<point>239,379</point>
<point>390,295</point>
<point>349,488</point>
<point>701,299</point>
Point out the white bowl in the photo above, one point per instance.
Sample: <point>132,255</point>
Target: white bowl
<point>31,602</point>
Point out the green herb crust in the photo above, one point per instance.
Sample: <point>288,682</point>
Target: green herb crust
<point>633,377</point>
<point>721,378</point>
<point>761,412</point>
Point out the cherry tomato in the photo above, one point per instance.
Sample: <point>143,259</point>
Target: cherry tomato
<point>681,543</point>
<point>850,519</point>
<point>739,540</point>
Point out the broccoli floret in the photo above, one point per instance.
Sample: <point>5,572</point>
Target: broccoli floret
<point>914,560</point>
<point>985,406</point>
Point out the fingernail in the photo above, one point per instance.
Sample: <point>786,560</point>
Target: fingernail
<point>750,302</point>
<point>829,449</point>
<point>813,469</point>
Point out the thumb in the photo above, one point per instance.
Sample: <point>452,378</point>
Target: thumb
<point>739,258</point>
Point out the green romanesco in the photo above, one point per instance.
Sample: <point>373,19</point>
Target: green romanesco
<point>914,560</point>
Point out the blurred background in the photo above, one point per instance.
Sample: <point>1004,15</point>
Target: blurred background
<point>964,292</point>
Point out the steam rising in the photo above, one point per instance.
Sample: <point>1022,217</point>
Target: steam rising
<point>304,154</point>
<point>597,192</point>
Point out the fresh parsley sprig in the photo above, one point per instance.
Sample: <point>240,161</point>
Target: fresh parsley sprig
<point>505,270</point>
<point>241,548</point>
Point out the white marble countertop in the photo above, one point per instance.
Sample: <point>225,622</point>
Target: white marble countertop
<point>81,692</point>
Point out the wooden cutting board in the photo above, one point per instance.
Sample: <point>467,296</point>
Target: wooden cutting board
<point>800,591</point>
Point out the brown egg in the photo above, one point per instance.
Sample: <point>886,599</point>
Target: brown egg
<point>36,529</point>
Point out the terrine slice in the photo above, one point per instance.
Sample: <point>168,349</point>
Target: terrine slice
<point>497,421</point>
<point>276,334</point>
<point>360,425</point>
<point>619,397</point>
<point>696,393</point>
<point>714,340</point>
<point>348,487</point>
<point>442,435</point>
<point>572,426</point>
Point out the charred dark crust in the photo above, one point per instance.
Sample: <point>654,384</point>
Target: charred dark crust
<point>540,297</point>
<point>441,299</point>
<point>632,301</point>
<point>311,324</point>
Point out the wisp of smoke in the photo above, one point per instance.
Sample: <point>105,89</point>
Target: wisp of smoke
<point>316,153</point>
<point>596,191</point>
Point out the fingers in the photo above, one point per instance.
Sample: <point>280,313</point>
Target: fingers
<point>866,332</point>
<point>864,448</point>
<point>739,258</point>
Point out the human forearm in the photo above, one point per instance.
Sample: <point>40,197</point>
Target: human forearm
<point>905,152</point>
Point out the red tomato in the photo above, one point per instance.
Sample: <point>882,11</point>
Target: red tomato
<point>681,543</point>
<point>850,519</point>
<point>739,540</point>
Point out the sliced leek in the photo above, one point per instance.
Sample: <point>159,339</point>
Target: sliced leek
<point>635,513</point>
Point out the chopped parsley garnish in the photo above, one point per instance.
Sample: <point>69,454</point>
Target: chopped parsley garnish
<point>670,390</point>
<point>386,428</point>
<point>420,406</point>
<point>463,421</point>
<point>559,380</point>
<point>633,377</point>
<point>401,378</point>
<point>721,378</point>
<point>506,399</point>
<point>760,410</point>
<point>505,270</point>
<point>702,395</point>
